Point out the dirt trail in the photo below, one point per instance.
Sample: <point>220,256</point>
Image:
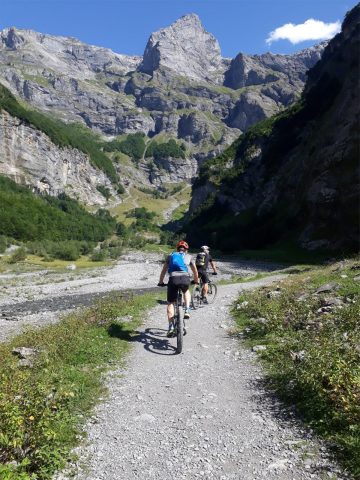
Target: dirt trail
<point>201,414</point>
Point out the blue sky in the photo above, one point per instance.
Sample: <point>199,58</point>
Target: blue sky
<point>125,25</point>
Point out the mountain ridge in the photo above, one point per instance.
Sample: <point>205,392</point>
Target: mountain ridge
<point>295,176</point>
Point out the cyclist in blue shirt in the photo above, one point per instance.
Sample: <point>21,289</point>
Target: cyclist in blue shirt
<point>178,265</point>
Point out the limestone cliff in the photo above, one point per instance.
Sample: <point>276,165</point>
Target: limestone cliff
<point>29,157</point>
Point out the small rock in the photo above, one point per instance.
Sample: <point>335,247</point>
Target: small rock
<point>328,287</point>
<point>261,320</point>
<point>357,278</point>
<point>258,348</point>
<point>331,301</point>
<point>146,417</point>
<point>26,355</point>
<point>242,305</point>
<point>298,356</point>
<point>71,267</point>
<point>273,294</point>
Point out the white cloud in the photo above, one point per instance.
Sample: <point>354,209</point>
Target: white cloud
<point>309,30</point>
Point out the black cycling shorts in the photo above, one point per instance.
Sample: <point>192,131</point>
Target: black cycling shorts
<point>182,282</point>
<point>203,275</point>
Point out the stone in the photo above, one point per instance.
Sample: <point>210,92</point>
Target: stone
<point>328,287</point>
<point>258,348</point>
<point>26,355</point>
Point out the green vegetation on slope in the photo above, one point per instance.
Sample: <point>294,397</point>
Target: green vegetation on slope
<point>165,150</point>
<point>133,145</point>
<point>312,354</point>
<point>62,134</point>
<point>43,408</point>
<point>25,216</point>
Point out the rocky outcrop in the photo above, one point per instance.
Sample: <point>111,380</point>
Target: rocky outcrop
<point>246,70</point>
<point>29,157</point>
<point>297,177</point>
<point>186,49</point>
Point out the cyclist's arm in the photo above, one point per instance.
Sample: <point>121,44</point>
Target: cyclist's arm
<point>163,272</point>
<point>213,266</point>
<point>195,272</point>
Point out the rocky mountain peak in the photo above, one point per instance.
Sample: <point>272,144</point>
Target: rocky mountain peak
<point>186,48</point>
<point>11,38</point>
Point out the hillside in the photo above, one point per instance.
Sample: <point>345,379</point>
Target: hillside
<point>25,216</point>
<point>294,177</point>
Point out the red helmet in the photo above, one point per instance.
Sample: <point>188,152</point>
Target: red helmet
<point>183,244</point>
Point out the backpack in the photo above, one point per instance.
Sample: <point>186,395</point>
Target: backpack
<point>200,259</point>
<point>177,263</point>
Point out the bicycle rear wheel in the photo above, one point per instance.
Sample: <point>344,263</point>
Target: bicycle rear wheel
<point>179,325</point>
<point>196,297</point>
<point>212,292</point>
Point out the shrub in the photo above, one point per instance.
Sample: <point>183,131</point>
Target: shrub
<point>67,251</point>
<point>120,189</point>
<point>133,145</point>
<point>121,229</point>
<point>105,192</point>
<point>98,256</point>
<point>3,244</point>
<point>165,150</point>
<point>18,256</point>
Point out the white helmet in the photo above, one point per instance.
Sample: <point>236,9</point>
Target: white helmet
<point>205,248</point>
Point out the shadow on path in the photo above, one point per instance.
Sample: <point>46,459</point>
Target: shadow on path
<point>153,339</point>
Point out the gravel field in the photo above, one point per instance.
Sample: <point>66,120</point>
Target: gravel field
<point>201,414</point>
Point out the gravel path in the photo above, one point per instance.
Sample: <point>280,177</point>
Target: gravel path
<point>201,414</point>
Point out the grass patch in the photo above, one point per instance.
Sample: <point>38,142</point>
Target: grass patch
<point>244,279</point>
<point>312,357</point>
<point>157,248</point>
<point>82,262</point>
<point>140,199</point>
<point>43,408</point>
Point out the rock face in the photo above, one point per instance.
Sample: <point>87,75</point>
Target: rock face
<point>186,49</point>
<point>29,157</point>
<point>297,177</point>
<point>181,87</point>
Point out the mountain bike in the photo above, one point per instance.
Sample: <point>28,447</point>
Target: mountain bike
<point>179,322</point>
<point>196,297</point>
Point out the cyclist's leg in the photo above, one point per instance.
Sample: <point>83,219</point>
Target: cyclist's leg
<point>202,276</point>
<point>184,286</point>
<point>205,279</point>
<point>170,312</point>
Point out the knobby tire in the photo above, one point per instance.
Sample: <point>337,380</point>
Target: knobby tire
<point>196,297</point>
<point>212,292</point>
<point>179,326</point>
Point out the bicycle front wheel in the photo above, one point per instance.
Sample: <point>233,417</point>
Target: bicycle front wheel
<point>212,292</point>
<point>196,297</point>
